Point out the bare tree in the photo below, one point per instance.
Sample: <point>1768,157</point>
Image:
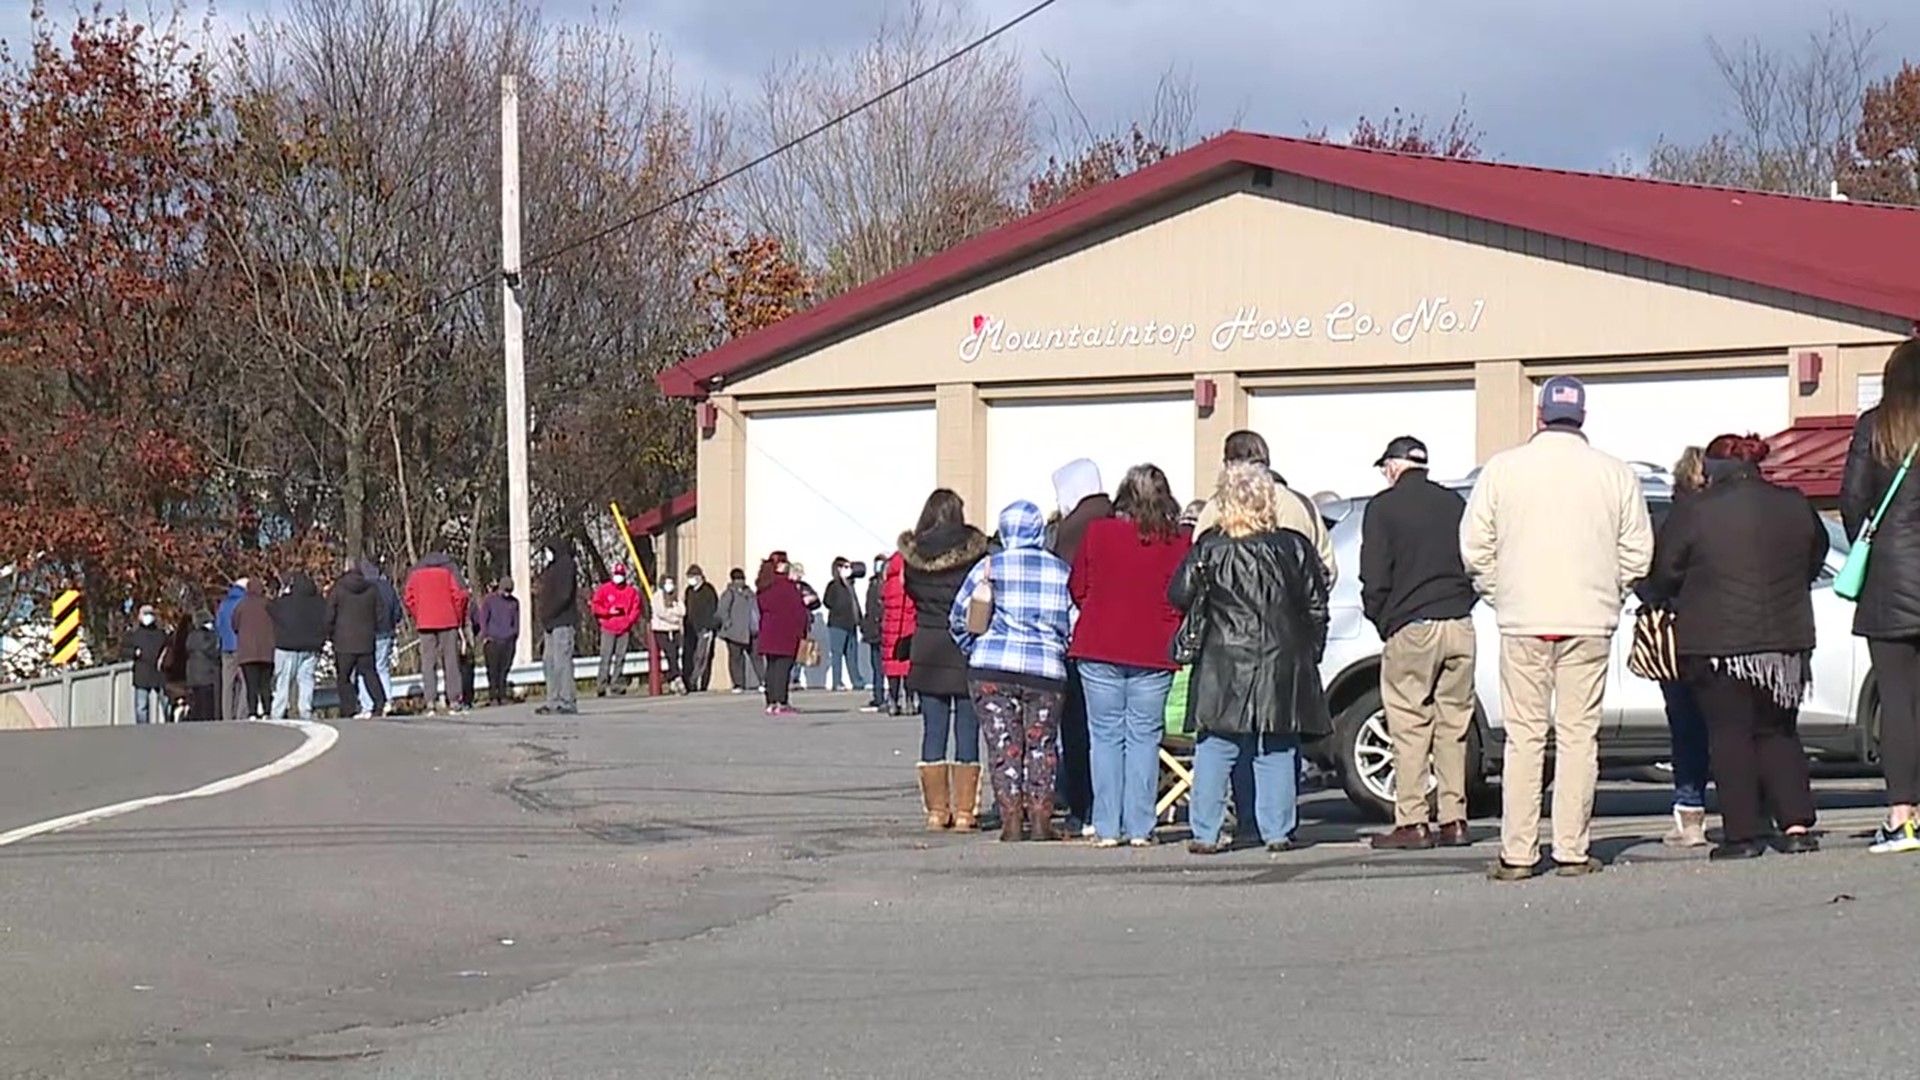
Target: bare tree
<point>1791,113</point>
<point>1167,120</point>
<point>369,230</point>
<point>913,175</point>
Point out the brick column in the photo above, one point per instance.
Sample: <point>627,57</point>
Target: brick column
<point>1210,429</point>
<point>720,535</point>
<point>1504,406</point>
<point>960,445</point>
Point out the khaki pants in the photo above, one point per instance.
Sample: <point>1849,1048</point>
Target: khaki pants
<point>1426,684</point>
<point>1552,686</point>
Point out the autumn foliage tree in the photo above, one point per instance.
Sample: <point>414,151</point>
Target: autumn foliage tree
<point>1884,162</point>
<point>1409,133</point>
<point>752,283</point>
<point>1106,158</point>
<point>107,163</point>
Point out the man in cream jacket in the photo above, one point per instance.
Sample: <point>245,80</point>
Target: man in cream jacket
<point>1555,536</point>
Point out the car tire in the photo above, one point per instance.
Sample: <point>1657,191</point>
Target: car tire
<point>1364,755</point>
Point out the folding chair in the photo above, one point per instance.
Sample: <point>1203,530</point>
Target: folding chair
<point>1176,776</point>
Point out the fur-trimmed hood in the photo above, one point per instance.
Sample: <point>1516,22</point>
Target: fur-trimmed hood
<point>944,548</point>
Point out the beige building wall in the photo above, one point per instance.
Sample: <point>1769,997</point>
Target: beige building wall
<point>1202,280</point>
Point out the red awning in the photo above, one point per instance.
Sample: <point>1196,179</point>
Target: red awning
<point>1810,455</point>
<point>663,517</point>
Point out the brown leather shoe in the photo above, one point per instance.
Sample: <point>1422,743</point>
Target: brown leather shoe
<point>1454,834</point>
<point>1404,838</point>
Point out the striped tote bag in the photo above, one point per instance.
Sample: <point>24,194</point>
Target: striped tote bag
<point>1656,655</point>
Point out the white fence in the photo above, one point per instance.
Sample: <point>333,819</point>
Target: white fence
<point>103,696</point>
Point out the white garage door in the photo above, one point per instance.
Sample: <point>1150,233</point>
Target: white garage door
<point>845,482</point>
<point>1027,441</point>
<point>1328,440</point>
<point>1654,418</point>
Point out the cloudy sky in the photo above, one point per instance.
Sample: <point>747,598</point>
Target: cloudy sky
<point>1565,84</point>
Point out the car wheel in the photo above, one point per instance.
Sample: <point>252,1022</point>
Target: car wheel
<point>1363,749</point>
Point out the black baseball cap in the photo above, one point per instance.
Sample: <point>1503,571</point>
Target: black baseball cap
<point>1404,448</point>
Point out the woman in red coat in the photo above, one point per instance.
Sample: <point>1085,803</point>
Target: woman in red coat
<point>1123,642</point>
<point>896,632</point>
<point>783,625</point>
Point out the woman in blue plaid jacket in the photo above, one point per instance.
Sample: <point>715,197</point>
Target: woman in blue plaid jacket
<point>1017,667</point>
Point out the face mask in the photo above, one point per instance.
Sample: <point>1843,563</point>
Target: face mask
<point>780,570</point>
<point>879,567</point>
<point>694,581</point>
<point>845,571</point>
<point>146,620</point>
<point>619,579</point>
<point>666,586</point>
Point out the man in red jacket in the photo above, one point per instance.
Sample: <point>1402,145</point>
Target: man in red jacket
<point>616,604</point>
<point>436,599</point>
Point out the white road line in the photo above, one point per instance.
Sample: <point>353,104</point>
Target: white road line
<point>319,739</point>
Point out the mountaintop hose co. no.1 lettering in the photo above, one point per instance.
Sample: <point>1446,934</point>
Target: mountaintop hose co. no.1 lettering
<point>1344,323</point>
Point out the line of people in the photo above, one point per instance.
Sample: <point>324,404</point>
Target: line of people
<point>999,635</point>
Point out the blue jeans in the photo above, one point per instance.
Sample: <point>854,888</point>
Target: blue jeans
<point>383,663</point>
<point>1691,763</point>
<point>1126,716</point>
<point>937,714</point>
<point>879,681</point>
<point>1276,763</point>
<point>843,656</point>
<point>292,669</point>
<point>143,702</point>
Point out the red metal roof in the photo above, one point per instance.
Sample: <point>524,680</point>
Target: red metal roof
<point>1810,455</point>
<point>663,517</point>
<point>1855,254</point>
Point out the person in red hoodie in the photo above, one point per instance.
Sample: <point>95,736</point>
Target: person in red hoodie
<point>436,599</point>
<point>616,604</point>
<point>1123,642</point>
<point>897,621</point>
<point>784,622</point>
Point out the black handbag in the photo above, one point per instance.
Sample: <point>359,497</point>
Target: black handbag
<point>1193,625</point>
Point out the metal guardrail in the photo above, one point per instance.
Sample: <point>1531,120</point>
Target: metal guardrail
<point>103,696</point>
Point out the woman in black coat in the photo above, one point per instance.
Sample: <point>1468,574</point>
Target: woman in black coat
<point>1255,595</point>
<point>1736,565</point>
<point>937,554</point>
<point>1888,615</point>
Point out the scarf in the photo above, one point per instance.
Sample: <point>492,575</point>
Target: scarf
<point>1784,676</point>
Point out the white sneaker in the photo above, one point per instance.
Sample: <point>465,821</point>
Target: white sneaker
<point>363,714</point>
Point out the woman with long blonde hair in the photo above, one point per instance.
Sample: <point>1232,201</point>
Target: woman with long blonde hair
<point>1255,601</point>
<point>1888,615</point>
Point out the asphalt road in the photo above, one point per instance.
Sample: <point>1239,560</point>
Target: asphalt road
<point>690,889</point>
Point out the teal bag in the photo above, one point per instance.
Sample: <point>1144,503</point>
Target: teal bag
<point>1853,573</point>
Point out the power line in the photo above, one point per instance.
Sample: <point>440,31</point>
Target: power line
<point>701,189</point>
<point>821,129</point>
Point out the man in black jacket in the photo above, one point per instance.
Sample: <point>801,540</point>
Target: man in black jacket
<point>1416,592</point>
<point>299,633</point>
<point>702,624</point>
<point>355,610</point>
<point>145,644</point>
<point>558,606</point>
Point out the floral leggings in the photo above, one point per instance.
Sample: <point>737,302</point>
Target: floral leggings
<point>1022,726</point>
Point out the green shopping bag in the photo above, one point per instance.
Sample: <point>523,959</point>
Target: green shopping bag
<point>1177,704</point>
<point>1853,573</point>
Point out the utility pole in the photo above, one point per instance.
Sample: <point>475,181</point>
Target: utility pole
<point>519,511</point>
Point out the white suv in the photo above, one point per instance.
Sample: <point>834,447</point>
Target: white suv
<point>1839,721</point>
